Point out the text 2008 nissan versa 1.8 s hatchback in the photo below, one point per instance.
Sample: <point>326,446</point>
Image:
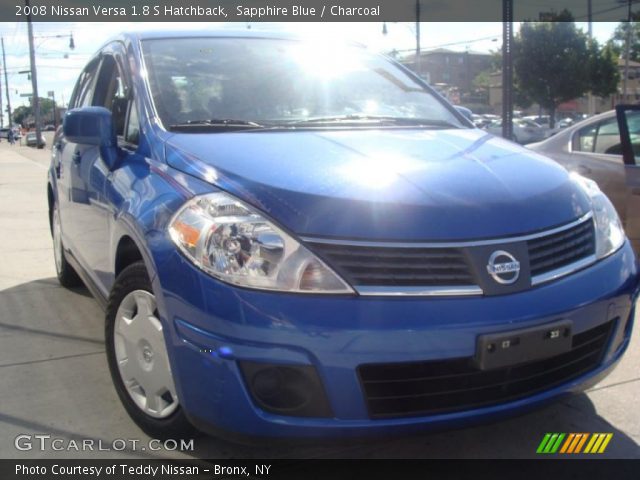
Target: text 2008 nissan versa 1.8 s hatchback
<point>301,239</point>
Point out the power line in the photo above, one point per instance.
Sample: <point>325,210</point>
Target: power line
<point>607,10</point>
<point>463,42</point>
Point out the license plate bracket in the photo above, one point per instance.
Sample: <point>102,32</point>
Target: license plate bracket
<point>504,349</point>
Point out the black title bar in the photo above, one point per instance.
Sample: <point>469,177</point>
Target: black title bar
<point>306,10</point>
<point>124,469</point>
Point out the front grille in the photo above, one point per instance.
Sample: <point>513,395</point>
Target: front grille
<point>561,249</point>
<point>458,266</point>
<point>400,266</point>
<point>425,388</point>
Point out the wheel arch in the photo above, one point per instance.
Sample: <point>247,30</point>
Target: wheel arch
<point>127,252</point>
<point>50,201</point>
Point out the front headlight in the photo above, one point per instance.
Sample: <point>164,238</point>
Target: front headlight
<point>609,232</point>
<point>233,242</point>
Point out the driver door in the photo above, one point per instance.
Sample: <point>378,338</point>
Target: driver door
<point>88,208</point>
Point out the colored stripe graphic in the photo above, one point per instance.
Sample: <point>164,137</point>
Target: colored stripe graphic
<point>556,445</point>
<point>581,442</point>
<point>573,443</point>
<point>598,443</point>
<point>550,443</point>
<point>605,443</point>
<point>567,442</point>
<point>543,443</point>
<point>577,438</point>
<point>592,441</point>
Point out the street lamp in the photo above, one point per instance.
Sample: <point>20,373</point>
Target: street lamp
<point>72,44</point>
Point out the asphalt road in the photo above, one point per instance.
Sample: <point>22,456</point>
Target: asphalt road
<point>54,378</point>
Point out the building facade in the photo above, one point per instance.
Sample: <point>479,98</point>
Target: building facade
<point>449,69</point>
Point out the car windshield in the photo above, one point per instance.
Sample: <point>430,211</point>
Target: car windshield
<point>267,82</point>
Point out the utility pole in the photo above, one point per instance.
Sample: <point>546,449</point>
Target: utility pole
<point>591,106</point>
<point>507,69</point>
<point>52,94</point>
<point>418,38</point>
<point>34,78</point>
<point>6,84</point>
<point>627,52</point>
<point>1,111</point>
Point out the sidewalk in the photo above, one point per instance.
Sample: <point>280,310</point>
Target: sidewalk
<point>54,377</point>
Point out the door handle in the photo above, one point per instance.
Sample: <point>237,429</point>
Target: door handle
<point>76,157</point>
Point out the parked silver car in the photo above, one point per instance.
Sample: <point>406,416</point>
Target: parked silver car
<point>524,131</point>
<point>30,140</point>
<point>593,149</point>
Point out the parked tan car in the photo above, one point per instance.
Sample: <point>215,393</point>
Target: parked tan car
<point>593,149</point>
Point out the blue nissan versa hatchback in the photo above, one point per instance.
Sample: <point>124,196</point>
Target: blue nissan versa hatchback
<point>302,239</point>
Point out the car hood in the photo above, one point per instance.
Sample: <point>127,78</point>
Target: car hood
<point>385,184</point>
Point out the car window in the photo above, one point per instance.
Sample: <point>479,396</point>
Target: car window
<point>608,137</point>
<point>602,137</point>
<point>133,125</point>
<point>83,93</point>
<point>585,138</point>
<point>633,122</point>
<point>112,92</point>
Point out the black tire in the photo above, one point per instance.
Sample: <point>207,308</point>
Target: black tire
<point>67,276</point>
<point>135,277</point>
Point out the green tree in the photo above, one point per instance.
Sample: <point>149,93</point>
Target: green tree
<point>603,70</point>
<point>483,82</point>
<point>46,107</point>
<point>483,79</point>
<point>520,97</point>
<point>551,63</point>
<point>619,40</point>
<point>20,114</point>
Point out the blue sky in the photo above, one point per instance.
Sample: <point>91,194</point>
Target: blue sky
<point>57,73</point>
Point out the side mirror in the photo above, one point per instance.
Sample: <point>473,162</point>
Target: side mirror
<point>629,125</point>
<point>92,126</point>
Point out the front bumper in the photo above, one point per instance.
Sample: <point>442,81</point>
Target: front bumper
<point>212,326</point>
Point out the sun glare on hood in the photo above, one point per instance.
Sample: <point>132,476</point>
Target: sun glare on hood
<point>380,171</point>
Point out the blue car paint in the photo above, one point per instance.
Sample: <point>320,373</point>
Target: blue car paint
<point>444,185</point>
<point>336,335</point>
<point>386,185</point>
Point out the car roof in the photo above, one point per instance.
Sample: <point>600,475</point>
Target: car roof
<point>134,35</point>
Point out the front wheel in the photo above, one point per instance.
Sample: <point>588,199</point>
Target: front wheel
<point>138,357</point>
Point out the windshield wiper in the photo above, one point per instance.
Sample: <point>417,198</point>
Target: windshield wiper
<point>216,123</point>
<point>378,119</point>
